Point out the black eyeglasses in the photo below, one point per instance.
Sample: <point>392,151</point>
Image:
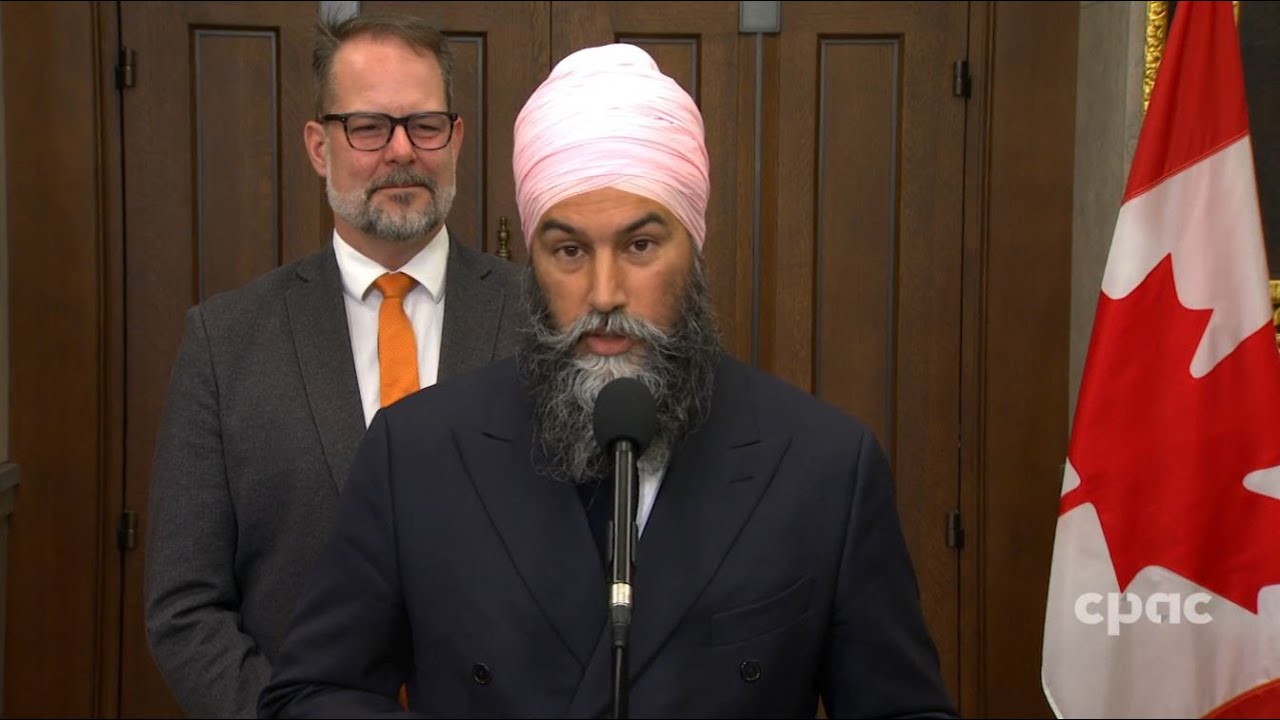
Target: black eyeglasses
<point>372,131</point>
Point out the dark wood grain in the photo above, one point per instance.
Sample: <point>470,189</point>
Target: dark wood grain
<point>57,596</point>
<point>237,152</point>
<point>1017,343</point>
<point>865,259</point>
<point>219,191</point>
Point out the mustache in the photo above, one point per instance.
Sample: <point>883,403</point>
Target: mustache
<point>615,322</point>
<point>401,177</point>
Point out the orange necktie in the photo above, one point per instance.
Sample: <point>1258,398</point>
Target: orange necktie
<point>397,355</point>
<point>397,350</point>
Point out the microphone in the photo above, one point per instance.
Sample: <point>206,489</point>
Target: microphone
<point>626,418</point>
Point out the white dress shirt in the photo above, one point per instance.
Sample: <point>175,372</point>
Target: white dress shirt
<point>650,482</point>
<point>424,305</point>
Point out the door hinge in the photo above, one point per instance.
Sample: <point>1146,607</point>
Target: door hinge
<point>961,81</point>
<point>127,531</point>
<point>125,69</point>
<point>955,530</point>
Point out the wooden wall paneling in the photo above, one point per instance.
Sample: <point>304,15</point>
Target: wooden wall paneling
<point>865,264</point>
<point>774,248</point>
<point>971,590</point>
<point>112,360</point>
<point>237,133</point>
<point>1016,356</point>
<point>219,192</point>
<point>60,598</point>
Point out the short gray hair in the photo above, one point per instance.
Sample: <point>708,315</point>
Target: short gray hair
<point>414,32</point>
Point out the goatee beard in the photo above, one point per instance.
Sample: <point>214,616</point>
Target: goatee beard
<point>357,208</point>
<point>678,368</point>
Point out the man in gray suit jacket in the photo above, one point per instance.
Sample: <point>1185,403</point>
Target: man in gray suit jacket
<point>275,383</point>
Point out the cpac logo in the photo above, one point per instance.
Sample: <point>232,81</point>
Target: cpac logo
<point>1175,609</point>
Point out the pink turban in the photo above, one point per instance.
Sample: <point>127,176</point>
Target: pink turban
<point>608,117</point>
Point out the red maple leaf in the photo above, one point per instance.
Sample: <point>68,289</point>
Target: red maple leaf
<point>1162,455</point>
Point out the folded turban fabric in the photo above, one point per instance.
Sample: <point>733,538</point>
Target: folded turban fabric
<point>607,117</point>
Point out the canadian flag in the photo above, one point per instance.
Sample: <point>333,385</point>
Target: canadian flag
<point>1164,594</point>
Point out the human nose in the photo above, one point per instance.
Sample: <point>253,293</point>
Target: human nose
<point>400,149</point>
<point>607,287</point>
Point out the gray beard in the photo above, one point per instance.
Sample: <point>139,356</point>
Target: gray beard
<point>355,207</point>
<point>678,368</point>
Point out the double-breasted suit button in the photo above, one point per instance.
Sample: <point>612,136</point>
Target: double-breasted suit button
<point>480,673</point>
<point>750,671</point>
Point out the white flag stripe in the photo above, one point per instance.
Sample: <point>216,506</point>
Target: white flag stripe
<point>1207,217</point>
<point>1143,669</point>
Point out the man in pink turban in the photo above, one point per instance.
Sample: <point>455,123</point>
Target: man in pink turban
<point>608,117</point>
<point>612,183</point>
<point>770,572</point>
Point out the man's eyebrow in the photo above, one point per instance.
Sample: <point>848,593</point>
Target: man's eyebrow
<point>652,217</point>
<point>554,224</point>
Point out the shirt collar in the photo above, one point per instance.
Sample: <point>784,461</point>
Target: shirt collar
<point>427,267</point>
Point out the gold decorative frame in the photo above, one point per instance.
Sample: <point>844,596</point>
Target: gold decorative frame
<point>1157,31</point>
<point>1275,308</point>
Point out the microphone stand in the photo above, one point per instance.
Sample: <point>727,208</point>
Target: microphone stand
<point>622,565</point>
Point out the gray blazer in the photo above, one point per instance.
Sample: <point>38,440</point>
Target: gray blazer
<point>261,422</point>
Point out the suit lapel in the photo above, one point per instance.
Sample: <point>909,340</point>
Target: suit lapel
<point>318,320</point>
<point>541,522</point>
<point>472,313</point>
<point>709,491</point>
<point>712,492</point>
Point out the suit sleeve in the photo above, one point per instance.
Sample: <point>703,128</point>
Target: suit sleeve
<point>880,660</point>
<point>347,651</point>
<point>192,599</point>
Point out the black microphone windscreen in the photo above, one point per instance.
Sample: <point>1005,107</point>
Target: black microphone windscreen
<point>625,409</point>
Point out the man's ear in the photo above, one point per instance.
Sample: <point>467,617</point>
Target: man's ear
<point>316,138</point>
<point>459,132</point>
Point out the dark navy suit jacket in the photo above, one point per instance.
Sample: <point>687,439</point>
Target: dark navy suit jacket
<point>772,570</point>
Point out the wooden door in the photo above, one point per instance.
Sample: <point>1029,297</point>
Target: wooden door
<point>219,191</point>
<point>862,271</point>
<point>61,212</point>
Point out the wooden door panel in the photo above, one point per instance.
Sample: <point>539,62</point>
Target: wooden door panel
<point>1024,113</point>
<point>856,227</point>
<point>698,44</point>
<point>236,136</point>
<point>60,215</point>
<point>219,191</point>
<point>864,260</point>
